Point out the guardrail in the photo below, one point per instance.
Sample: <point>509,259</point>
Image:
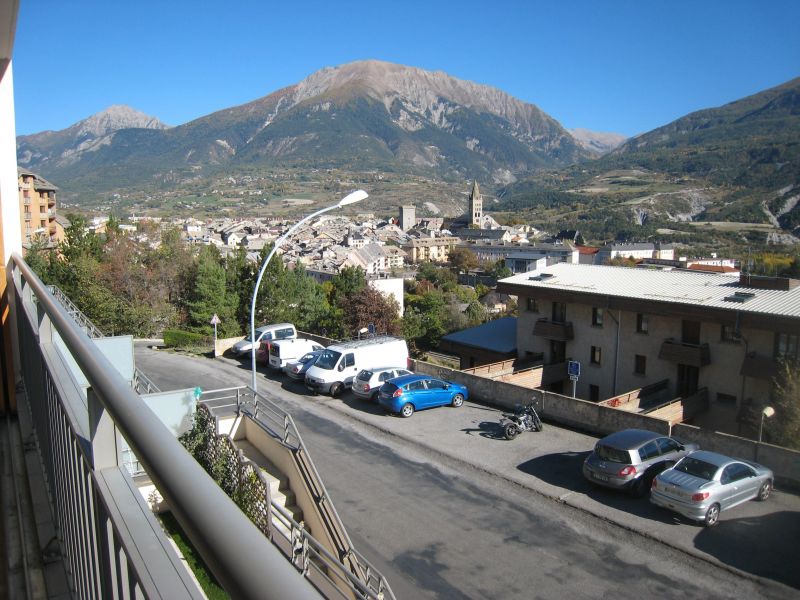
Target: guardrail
<point>111,543</point>
<point>350,567</point>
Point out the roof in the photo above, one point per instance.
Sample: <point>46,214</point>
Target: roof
<point>629,439</point>
<point>587,250</point>
<point>713,268</point>
<point>499,335</point>
<point>711,290</point>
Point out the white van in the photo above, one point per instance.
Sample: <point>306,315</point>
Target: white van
<point>282,352</point>
<point>338,364</point>
<point>279,331</point>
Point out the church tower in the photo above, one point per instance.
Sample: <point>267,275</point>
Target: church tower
<point>475,205</point>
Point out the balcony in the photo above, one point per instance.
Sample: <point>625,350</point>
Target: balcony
<point>100,444</point>
<point>759,367</point>
<point>27,215</point>
<point>693,355</point>
<point>552,330</point>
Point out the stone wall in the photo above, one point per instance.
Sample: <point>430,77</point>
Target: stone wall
<point>602,420</point>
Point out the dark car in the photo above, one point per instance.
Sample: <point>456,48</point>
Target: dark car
<point>403,395</point>
<point>630,459</point>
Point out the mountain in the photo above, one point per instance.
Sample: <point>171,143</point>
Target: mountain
<point>597,142</point>
<point>753,142</point>
<point>59,148</point>
<point>363,115</point>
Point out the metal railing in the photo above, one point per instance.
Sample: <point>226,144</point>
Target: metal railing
<point>351,567</point>
<point>111,544</point>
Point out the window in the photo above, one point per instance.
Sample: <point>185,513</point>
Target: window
<point>649,450</point>
<point>435,384</point>
<point>558,352</point>
<point>667,446</point>
<point>596,355</point>
<point>559,312</point>
<point>533,305</point>
<point>640,365</point>
<point>641,323</point>
<point>594,393</point>
<point>728,334</point>
<point>597,316</point>
<point>349,360</point>
<point>786,346</point>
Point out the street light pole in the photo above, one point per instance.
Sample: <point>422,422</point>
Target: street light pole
<point>351,198</point>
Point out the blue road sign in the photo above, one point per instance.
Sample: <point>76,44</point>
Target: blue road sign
<point>574,368</point>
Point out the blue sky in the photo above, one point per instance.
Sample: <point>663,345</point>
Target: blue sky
<point>622,66</point>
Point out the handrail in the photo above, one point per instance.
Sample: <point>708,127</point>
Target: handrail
<point>245,563</point>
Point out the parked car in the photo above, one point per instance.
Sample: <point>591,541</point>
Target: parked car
<point>404,395</point>
<point>339,364</point>
<point>282,352</point>
<point>703,484</point>
<point>280,331</point>
<point>368,381</point>
<point>297,369</point>
<point>630,459</point>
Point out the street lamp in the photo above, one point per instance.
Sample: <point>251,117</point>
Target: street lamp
<point>351,198</point>
<point>766,413</point>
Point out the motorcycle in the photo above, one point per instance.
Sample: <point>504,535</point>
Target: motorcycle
<point>525,419</point>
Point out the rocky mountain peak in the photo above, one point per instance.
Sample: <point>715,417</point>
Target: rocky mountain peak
<point>114,118</point>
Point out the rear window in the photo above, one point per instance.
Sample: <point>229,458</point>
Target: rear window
<point>696,467</point>
<point>612,454</point>
<point>364,375</point>
<point>306,357</point>
<point>388,388</point>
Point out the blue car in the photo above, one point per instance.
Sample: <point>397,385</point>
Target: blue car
<point>403,395</point>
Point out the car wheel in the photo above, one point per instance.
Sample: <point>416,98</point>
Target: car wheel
<point>407,410</point>
<point>641,487</point>
<point>457,401</point>
<point>511,431</point>
<point>764,491</point>
<point>712,515</point>
<point>336,389</point>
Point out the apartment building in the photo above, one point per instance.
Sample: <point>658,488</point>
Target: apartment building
<point>630,328</point>
<point>37,208</point>
<point>434,249</point>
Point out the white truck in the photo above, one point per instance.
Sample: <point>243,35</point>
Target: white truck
<point>282,352</point>
<point>338,364</point>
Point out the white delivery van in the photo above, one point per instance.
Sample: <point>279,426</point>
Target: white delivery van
<point>338,364</point>
<point>281,352</point>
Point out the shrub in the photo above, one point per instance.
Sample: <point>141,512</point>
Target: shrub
<point>185,340</point>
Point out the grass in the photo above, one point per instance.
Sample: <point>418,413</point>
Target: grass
<point>204,577</point>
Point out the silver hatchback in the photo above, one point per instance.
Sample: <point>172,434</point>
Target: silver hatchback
<point>704,484</point>
<point>368,381</point>
<point>631,458</point>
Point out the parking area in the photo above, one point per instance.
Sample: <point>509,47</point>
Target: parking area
<point>756,538</point>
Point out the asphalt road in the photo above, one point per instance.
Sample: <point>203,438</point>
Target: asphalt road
<point>450,513</point>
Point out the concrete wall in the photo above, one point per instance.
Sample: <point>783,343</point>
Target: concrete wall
<point>602,420</point>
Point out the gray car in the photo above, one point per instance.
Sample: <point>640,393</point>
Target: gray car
<point>630,459</point>
<point>368,381</point>
<point>704,484</point>
<point>297,369</point>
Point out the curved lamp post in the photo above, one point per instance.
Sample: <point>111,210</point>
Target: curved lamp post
<point>351,198</point>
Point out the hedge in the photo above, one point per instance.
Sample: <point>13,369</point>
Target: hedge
<point>175,338</point>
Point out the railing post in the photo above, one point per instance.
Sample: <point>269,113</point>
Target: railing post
<point>105,447</point>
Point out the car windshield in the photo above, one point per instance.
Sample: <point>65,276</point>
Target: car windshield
<point>696,467</point>
<point>328,359</point>
<point>612,454</point>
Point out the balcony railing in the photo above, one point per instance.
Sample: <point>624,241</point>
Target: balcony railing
<point>553,330</point>
<point>694,355</point>
<point>111,543</point>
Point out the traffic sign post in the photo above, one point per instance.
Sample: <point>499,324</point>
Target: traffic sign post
<point>574,371</point>
<point>215,320</point>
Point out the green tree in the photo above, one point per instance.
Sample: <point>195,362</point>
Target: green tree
<point>784,428</point>
<point>208,296</point>
<point>463,259</point>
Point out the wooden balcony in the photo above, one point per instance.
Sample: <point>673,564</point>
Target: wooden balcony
<point>694,355</point>
<point>560,332</point>
<point>759,367</point>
